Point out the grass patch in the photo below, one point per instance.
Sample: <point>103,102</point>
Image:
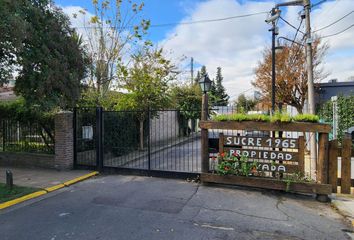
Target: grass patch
<point>280,117</point>
<point>242,117</point>
<point>277,117</point>
<point>7,194</point>
<point>306,118</point>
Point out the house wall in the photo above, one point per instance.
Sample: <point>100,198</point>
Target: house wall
<point>164,128</point>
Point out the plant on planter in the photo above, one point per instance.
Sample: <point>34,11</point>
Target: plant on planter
<point>276,118</point>
<point>297,177</point>
<point>235,165</point>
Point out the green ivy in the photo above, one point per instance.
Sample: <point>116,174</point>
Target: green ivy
<point>345,106</point>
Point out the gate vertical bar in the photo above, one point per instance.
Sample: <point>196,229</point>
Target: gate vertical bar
<point>204,136</point>
<point>3,135</point>
<point>75,136</point>
<point>148,138</point>
<point>99,139</point>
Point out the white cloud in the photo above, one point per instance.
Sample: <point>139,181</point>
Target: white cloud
<point>237,45</point>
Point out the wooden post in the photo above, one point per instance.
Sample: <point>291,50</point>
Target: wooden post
<point>345,168</point>
<point>204,136</point>
<point>333,164</point>
<point>302,154</point>
<point>322,167</point>
<point>221,143</point>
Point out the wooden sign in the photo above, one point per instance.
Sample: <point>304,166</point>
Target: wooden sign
<point>272,154</point>
<point>270,142</point>
<point>263,154</point>
<point>273,167</point>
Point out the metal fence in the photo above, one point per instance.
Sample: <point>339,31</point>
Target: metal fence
<point>26,137</point>
<point>154,140</point>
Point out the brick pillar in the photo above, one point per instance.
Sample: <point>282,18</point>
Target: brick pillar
<point>64,152</point>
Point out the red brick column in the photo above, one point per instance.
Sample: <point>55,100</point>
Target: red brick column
<point>64,152</point>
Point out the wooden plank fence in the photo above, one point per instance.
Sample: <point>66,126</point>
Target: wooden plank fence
<point>346,152</point>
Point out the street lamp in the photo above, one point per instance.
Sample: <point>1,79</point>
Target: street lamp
<point>205,83</point>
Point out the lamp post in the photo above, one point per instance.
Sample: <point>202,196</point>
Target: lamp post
<point>205,85</point>
<point>275,13</point>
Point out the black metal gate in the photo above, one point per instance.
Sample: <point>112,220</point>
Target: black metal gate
<point>166,141</point>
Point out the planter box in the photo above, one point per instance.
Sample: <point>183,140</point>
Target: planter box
<point>267,126</point>
<point>267,183</point>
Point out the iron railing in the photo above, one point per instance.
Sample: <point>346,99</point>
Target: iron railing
<point>28,137</point>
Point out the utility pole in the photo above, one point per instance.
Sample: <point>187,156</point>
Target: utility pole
<point>311,91</point>
<point>192,71</point>
<point>310,86</point>
<point>274,33</point>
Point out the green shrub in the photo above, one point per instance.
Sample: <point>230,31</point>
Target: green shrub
<point>280,117</point>
<point>242,117</point>
<point>306,118</point>
<point>277,117</point>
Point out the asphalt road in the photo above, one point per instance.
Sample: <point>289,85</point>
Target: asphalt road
<point>128,207</point>
<point>183,156</point>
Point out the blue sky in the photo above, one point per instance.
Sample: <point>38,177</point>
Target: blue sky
<point>158,11</point>
<point>236,45</point>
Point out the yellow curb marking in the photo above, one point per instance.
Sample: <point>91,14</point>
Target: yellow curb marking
<point>45,191</point>
<point>53,188</point>
<point>75,180</point>
<point>22,199</point>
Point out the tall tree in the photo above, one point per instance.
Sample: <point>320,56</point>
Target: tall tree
<point>244,104</point>
<point>147,84</point>
<point>197,78</point>
<point>220,93</point>
<point>291,73</point>
<point>50,56</point>
<point>111,35</point>
<point>203,71</point>
<point>13,31</point>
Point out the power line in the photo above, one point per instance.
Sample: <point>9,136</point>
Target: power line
<point>334,34</point>
<point>291,25</point>
<point>331,24</point>
<point>190,22</point>
<point>207,20</point>
<point>297,31</point>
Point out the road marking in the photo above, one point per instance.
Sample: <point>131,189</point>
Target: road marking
<point>215,227</point>
<point>75,180</point>
<point>53,188</point>
<point>46,190</point>
<point>22,199</point>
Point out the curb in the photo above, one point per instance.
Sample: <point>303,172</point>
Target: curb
<point>46,190</point>
<point>341,208</point>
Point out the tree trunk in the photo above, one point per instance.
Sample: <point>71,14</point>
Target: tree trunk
<point>141,135</point>
<point>299,109</point>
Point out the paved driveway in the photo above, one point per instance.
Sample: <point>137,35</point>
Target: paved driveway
<point>128,207</point>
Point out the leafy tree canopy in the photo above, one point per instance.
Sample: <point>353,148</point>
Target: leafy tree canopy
<point>244,104</point>
<point>291,73</point>
<point>49,55</point>
<point>187,99</point>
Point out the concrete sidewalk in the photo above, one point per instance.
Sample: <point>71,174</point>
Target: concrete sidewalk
<point>344,203</point>
<point>40,178</point>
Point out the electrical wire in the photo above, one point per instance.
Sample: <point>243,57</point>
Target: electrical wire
<point>331,24</point>
<point>334,34</point>
<point>297,31</point>
<point>290,24</point>
<point>191,22</point>
<point>207,20</point>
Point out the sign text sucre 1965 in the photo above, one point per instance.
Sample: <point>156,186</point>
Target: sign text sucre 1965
<point>261,142</point>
